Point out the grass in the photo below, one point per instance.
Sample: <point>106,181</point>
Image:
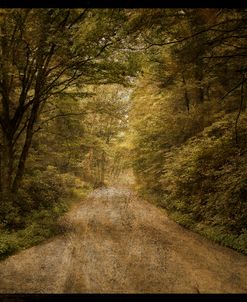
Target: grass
<point>14,241</point>
<point>217,234</point>
<point>40,226</point>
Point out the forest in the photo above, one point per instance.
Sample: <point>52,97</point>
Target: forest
<point>90,96</point>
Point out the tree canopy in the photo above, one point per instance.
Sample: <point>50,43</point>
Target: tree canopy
<point>88,93</point>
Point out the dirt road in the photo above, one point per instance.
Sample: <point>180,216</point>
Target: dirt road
<point>119,243</point>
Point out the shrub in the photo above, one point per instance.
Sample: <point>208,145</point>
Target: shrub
<point>205,183</point>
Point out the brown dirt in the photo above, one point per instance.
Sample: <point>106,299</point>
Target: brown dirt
<point>119,243</point>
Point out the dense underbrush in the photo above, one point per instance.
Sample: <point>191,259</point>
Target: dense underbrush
<point>34,215</point>
<point>203,183</point>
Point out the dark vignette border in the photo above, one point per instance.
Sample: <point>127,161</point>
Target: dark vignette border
<point>122,3</point>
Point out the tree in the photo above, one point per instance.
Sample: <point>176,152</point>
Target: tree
<point>105,121</point>
<point>185,109</point>
<point>46,52</point>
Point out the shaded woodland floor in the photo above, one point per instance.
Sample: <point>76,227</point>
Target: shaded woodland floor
<point>114,242</point>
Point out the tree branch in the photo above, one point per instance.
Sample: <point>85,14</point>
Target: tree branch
<point>234,88</point>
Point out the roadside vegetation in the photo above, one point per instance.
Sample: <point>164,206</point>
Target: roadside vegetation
<point>89,93</point>
<point>189,123</point>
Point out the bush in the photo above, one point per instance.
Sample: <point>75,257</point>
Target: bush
<point>37,232</point>
<point>42,199</point>
<point>41,189</point>
<point>205,183</point>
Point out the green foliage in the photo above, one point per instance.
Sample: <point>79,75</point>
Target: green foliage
<point>49,56</point>
<point>64,163</point>
<point>44,197</point>
<point>189,147</point>
<point>222,236</point>
<point>41,190</point>
<point>189,162</point>
<point>159,124</point>
<point>42,228</point>
<point>204,182</point>
<point>182,218</point>
<point>36,226</point>
<point>64,115</point>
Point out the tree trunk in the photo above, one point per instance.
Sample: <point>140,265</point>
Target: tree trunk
<point>26,147</point>
<point>186,96</point>
<point>6,165</point>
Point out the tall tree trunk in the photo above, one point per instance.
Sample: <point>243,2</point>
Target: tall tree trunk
<point>26,147</point>
<point>208,92</point>
<point>7,160</point>
<point>186,96</point>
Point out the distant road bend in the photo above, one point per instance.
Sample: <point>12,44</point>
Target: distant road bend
<point>118,243</point>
